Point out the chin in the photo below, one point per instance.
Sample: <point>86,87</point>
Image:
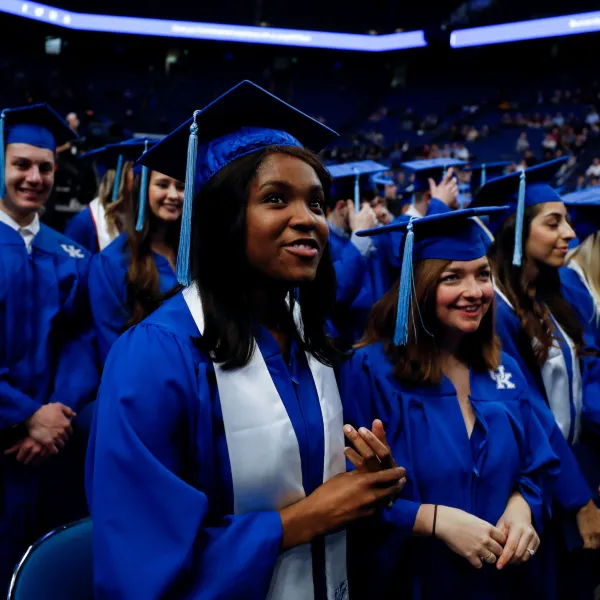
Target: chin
<point>466,327</point>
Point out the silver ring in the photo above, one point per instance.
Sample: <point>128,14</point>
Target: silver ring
<point>532,552</point>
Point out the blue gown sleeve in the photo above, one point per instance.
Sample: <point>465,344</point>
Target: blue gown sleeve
<point>570,489</point>
<point>15,406</point>
<point>350,267</point>
<point>77,374</point>
<point>590,381</point>
<point>81,230</point>
<point>437,207</point>
<point>156,533</point>
<point>108,299</point>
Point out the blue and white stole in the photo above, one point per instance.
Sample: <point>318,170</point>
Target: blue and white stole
<point>561,376</point>
<point>265,462</point>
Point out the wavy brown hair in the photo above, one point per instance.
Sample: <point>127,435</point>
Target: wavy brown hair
<point>534,299</point>
<point>419,361</point>
<point>120,212</point>
<point>143,281</point>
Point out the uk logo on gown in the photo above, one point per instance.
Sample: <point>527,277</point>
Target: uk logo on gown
<point>502,379</point>
<point>72,251</point>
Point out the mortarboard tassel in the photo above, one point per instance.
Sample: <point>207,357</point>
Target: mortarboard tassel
<point>2,157</point>
<point>143,195</point>
<point>518,251</point>
<point>183,256</point>
<point>406,289</point>
<point>357,192</point>
<point>118,172</point>
<point>483,176</point>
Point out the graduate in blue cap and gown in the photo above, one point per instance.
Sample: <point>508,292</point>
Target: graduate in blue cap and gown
<point>543,333</point>
<point>99,223</point>
<point>130,277</point>
<point>353,257</point>
<point>429,197</point>
<point>216,467</point>
<point>48,370</point>
<point>581,278</point>
<point>457,415</point>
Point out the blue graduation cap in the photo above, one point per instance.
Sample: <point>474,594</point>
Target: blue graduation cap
<point>114,156</point>
<point>241,121</point>
<point>584,211</point>
<point>518,191</point>
<point>37,125</point>
<point>486,171</point>
<point>448,236</point>
<point>356,170</point>
<point>434,168</point>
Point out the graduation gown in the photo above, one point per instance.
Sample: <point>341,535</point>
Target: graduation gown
<point>355,293</point>
<point>184,478</point>
<point>47,354</point>
<point>507,451</point>
<point>108,290</point>
<point>89,228</point>
<point>578,293</point>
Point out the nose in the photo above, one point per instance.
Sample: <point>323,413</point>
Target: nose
<point>172,193</point>
<point>567,232</point>
<point>303,218</point>
<point>34,177</point>
<point>472,290</point>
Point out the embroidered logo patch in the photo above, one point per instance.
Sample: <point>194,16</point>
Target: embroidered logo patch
<point>72,251</point>
<point>502,379</point>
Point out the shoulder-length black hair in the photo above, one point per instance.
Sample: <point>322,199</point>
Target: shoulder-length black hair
<point>221,271</point>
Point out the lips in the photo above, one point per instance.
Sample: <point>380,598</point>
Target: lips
<point>303,247</point>
<point>471,310</point>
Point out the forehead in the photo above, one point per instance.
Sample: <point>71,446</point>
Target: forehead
<point>29,152</point>
<point>288,168</point>
<point>467,265</point>
<point>552,208</point>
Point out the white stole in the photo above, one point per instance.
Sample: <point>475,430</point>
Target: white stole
<point>264,456</point>
<point>555,377</point>
<point>105,237</point>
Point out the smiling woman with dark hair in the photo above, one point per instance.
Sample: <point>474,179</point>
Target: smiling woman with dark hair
<point>216,467</point>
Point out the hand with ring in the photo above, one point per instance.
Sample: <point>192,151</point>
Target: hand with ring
<point>522,540</point>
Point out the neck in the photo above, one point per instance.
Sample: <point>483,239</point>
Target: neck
<point>160,244</point>
<point>336,219</point>
<point>23,220</point>
<point>450,353</point>
<point>267,301</point>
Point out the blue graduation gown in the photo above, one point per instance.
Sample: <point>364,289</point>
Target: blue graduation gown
<point>355,296</point>
<point>578,296</point>
<point>108,290</point>
<point>507,451</point>
<point>82,229</point>
<point>571,491</point>
<point>47,354</point>
<point>158,475</point>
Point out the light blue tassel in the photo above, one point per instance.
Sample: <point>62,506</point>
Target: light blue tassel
<point>357,192</point>
<point>483,176</point>
<point>118,172</point>
<point>518,252</point>
<point>183,256</point>
<point>143,194</point>
<point>406,289</point>
<point>2,151</point>
<point>444,172</point>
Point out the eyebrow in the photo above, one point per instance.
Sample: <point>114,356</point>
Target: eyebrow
<point>461,269</point>
<point>288,185</point>
<point>27,159</point>
<point>555,214</point>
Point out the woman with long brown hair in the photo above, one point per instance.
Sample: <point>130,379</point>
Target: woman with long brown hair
<point>131,276</point>
<point>543,333</point>
<point>457,417</point>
